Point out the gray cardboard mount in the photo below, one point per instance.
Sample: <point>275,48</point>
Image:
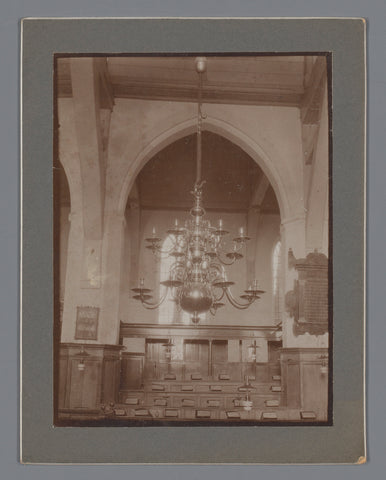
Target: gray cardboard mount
<point>344,441</point>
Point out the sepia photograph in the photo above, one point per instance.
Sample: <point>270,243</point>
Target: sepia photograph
<point>192,239</point>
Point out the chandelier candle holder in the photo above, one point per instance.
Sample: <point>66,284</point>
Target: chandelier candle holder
<point>253,349</point>
<point>324,365</point>
<point>82,356</point>
<point>197,277</point>
<point>168,349</point>
<point>247,404</point>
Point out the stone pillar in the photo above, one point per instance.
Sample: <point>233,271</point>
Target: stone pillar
<point>77,292</point>
<point>253,218</point>
<point>317,205</point>
<point>133,221</point>
<point>90,321</point>
<point>113,243</point>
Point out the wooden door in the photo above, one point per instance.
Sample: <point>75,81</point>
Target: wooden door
<point>219,358</point>
<point>196,359</point>
<point>132,371</point>
<point>156,363</point>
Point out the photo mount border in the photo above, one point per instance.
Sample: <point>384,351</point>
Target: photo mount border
<point>344,442</point>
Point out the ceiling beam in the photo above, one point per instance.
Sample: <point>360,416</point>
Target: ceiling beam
<point>186,94</point>
<point>106,95</point>
<point>311,101</point>
<point>245,81</point>
<point>311,104</point>
<point>181,93</point>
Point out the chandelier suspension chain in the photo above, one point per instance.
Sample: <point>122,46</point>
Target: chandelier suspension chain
<point>199,130</point>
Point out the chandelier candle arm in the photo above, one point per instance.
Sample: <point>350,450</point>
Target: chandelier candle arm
<point>249,298</point>
<point>155,243</point>
<point>153,306</point>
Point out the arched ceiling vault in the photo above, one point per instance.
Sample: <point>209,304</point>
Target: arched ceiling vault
<point>234,182</point>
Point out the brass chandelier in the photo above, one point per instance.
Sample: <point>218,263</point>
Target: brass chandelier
<point>197,277</point>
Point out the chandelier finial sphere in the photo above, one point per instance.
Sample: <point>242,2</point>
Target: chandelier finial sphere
<point>195,318</point>
<point>201,64</point>
<point>196,298</point>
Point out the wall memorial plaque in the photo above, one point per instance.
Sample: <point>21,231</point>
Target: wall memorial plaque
<point>307,303</point>
<point>87,323</point>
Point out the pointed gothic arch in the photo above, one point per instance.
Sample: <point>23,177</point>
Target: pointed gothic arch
<point>222,128</point>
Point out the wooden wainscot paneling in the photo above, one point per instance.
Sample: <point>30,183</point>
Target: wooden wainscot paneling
<point>111,378</point>
<point>314,385</point>
<point>197,332</point>
<point>88,375</point>
<point>132,368</point>
<point>307,303</point>
<point>304,383</point>
<point>63,373</point>
<point>290,370</point>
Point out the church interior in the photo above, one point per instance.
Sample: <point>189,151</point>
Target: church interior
<point>192,209</point>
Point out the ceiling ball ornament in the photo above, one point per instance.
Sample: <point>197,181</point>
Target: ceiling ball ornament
<point>196,297</point>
